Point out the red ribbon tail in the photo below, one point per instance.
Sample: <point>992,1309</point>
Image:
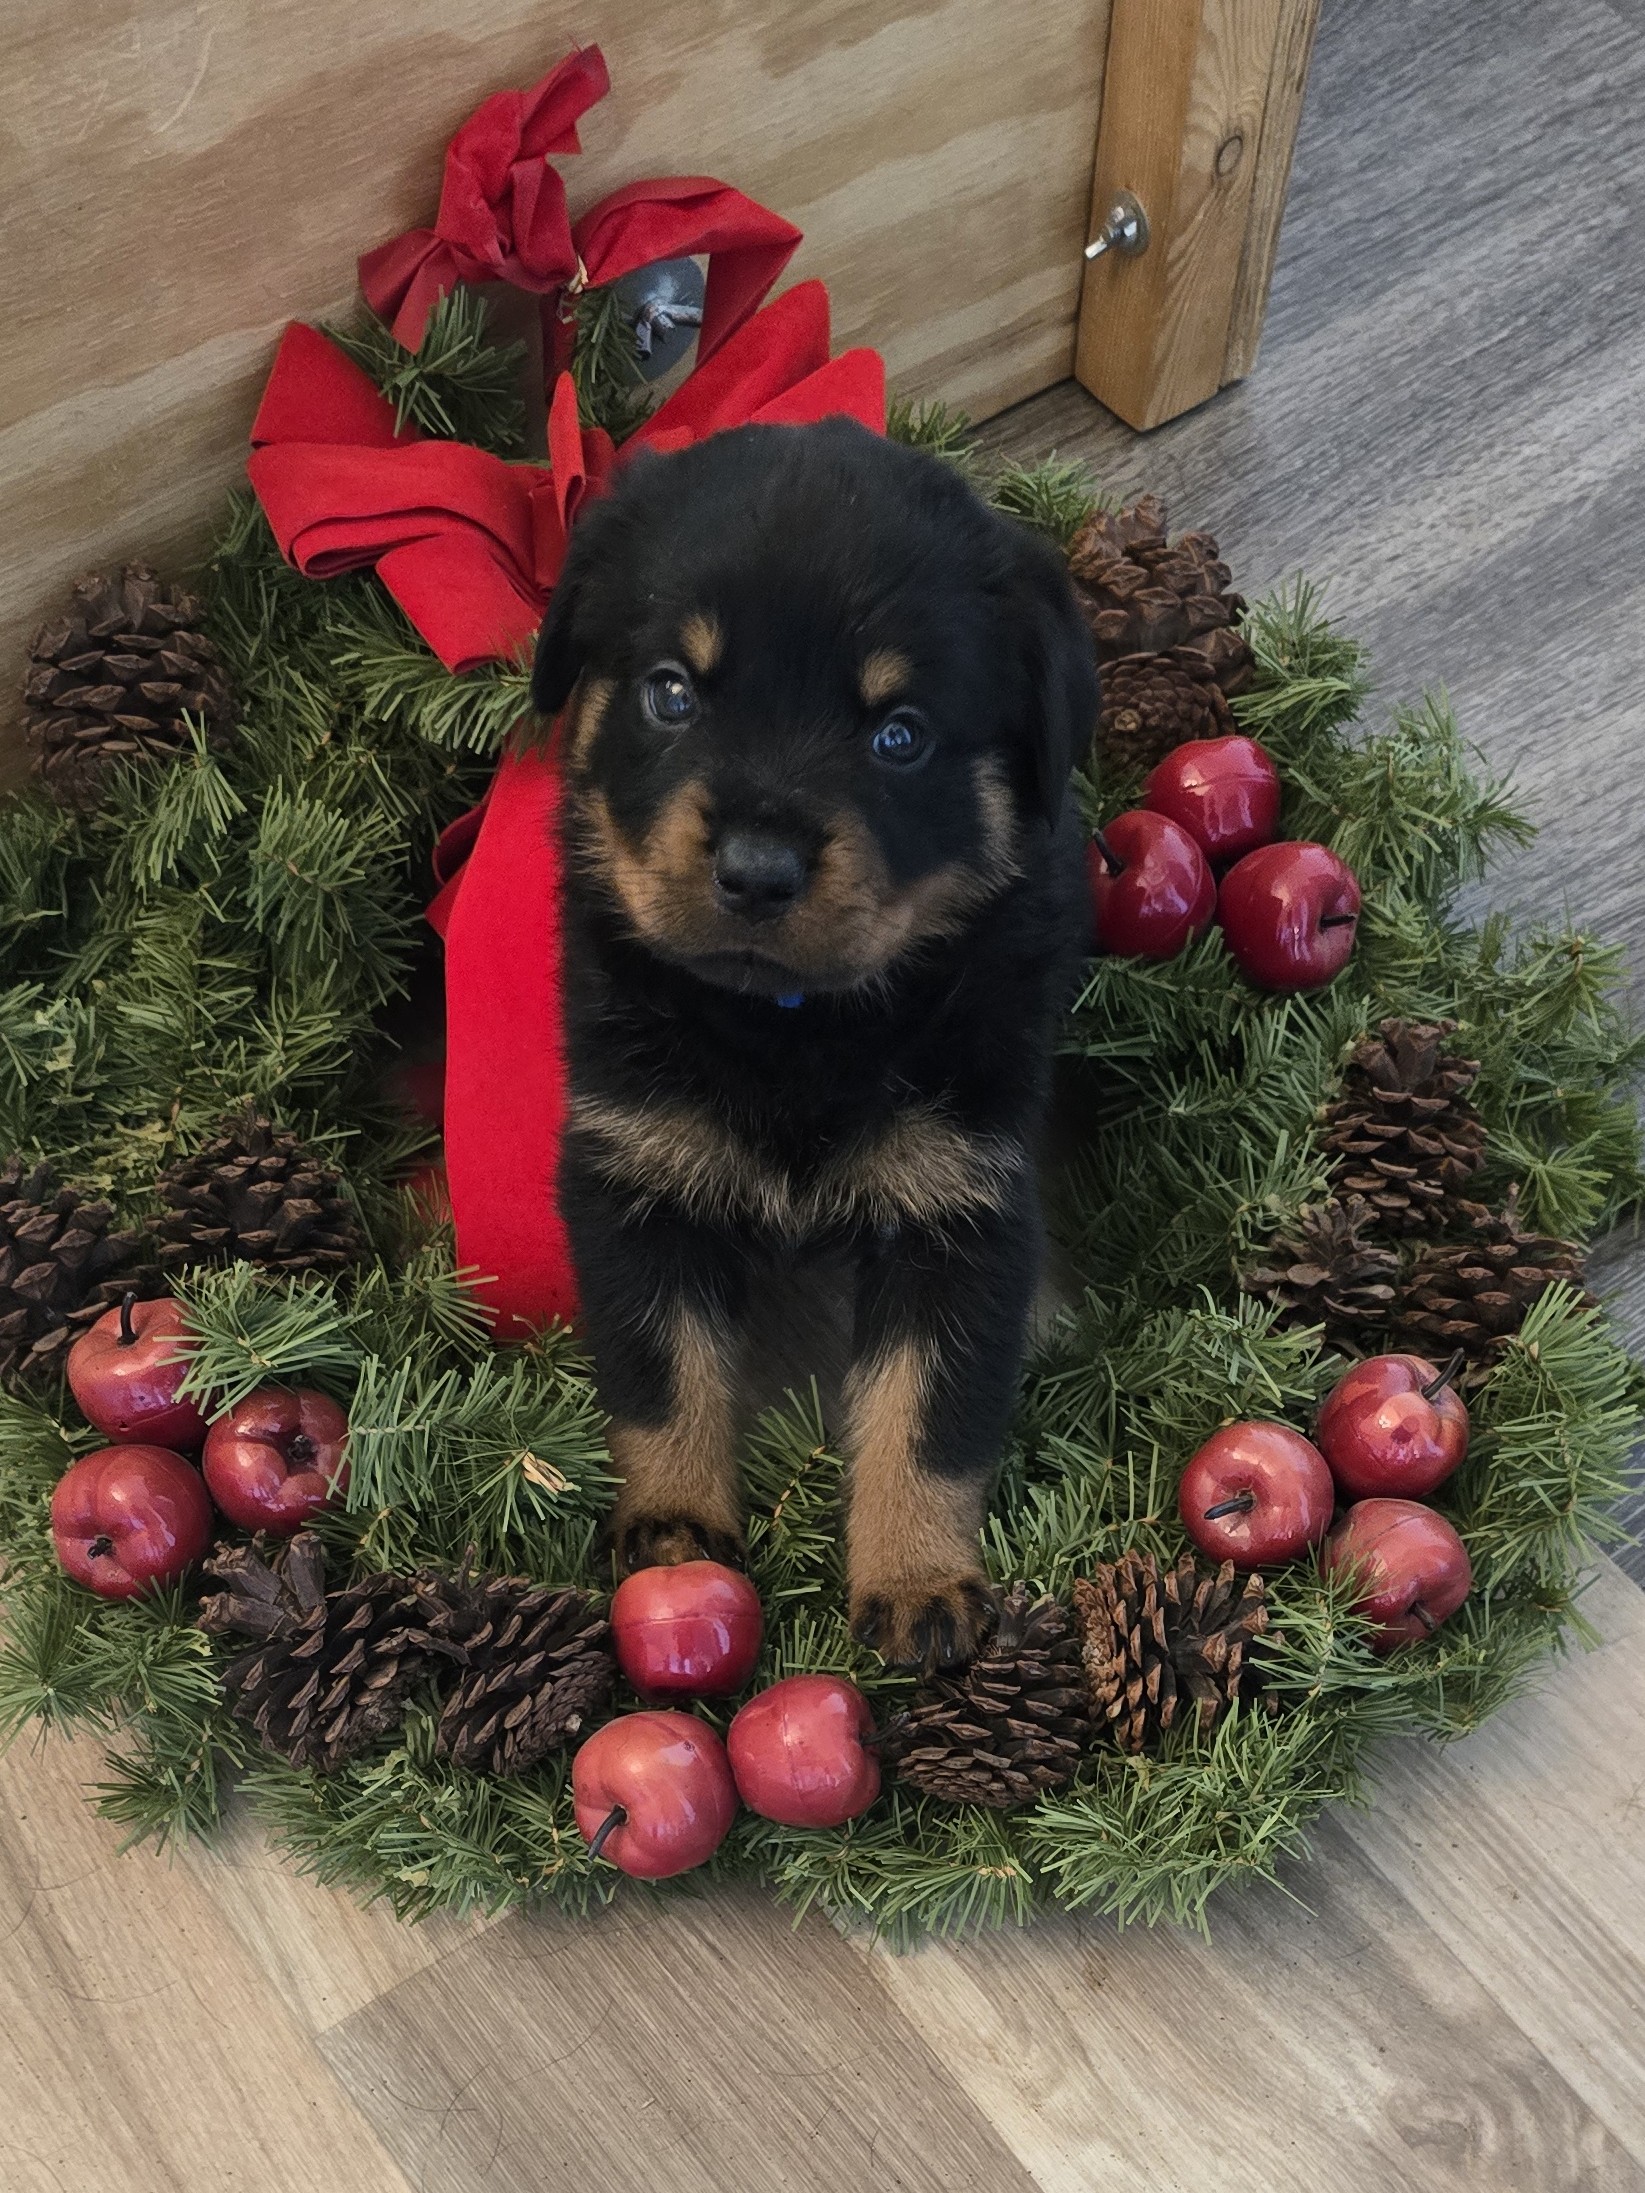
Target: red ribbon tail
<point>506,1075</point>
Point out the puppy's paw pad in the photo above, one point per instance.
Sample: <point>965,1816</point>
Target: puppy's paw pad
<point>926,1623</point>
<point>663,1541</point>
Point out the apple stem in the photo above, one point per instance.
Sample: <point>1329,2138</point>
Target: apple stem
<point>100,1546</point>
<point>1423,1616</point>
<point>128,1331</point>
<point>1439,1384</point>
<point>606,1829</point>
<point>1241,1504</point>
<point>1105,852</point>
<point>1337,921</point>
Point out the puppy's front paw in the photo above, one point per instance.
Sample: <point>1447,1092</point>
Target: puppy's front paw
<point>925,1622</point>
<point>653,1541</point>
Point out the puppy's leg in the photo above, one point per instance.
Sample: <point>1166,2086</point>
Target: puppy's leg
<point>663,1306</point>
<point>941,1315</point>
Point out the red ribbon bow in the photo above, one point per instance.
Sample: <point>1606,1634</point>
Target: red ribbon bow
<point>503,218</point>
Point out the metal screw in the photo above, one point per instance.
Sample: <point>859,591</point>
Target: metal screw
<point>1124,228</point>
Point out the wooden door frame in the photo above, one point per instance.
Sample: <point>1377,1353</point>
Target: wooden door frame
<point>1200,106</point>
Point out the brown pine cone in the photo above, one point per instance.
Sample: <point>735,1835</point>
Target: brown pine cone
<point>1322,1269</point>
<point>1475,1294</point>
<point>60,1266</point>
<point>1150,705</point>
<point>1159,1643</point>
<point>254,1192</point>
<point>1144,595</point>
<point>538,1666</point>
<point>114,680</point>
<point>332,1671</point>
<point>1404,1133</point>
<point>1007,1728</point>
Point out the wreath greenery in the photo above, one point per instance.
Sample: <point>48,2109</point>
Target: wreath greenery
<point>236,923</point>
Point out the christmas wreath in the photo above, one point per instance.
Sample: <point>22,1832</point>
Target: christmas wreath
<point>213,898</point>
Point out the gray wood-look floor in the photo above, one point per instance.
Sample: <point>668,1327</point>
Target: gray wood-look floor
<point>1447,1997</point>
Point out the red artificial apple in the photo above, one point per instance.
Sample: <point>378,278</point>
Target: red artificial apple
<point>125,1371</point>
<point>797,1752</point>
<point>1412,1568</point>
<point>1290,913</point>
<point>1224,792</point>
<point>1256,1493</point>
<point>276,1458</point>
<point>1394,1424</point>
<point>1151,892</point>
<point>126,1518</point>
<point>691,1631</point>
<point>653,1793</point>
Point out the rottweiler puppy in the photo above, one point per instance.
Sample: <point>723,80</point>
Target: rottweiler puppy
<point>827,900</point>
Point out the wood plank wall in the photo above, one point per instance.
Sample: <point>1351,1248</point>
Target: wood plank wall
<point>179,177</point>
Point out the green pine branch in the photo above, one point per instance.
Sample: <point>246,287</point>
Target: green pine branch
<point>459,385</point>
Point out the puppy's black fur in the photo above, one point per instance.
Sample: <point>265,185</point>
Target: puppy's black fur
<point>827,901</point>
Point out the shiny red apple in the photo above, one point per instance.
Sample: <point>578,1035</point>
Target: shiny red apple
<point>1413,1569</point>
<point>1151,892</point>
<point>1256,1494</point>
<point>277,1458</point>
<point>125,1371</point>
<point>1290,913</point>
<point>126,1518</point>
<point>1224,792</point>
<point>653,1793</point>
<point>1393,1424</point>
<point>797,1752</point>
<point>690,1631</point>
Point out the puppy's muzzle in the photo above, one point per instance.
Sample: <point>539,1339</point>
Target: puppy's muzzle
<point>758,875</point>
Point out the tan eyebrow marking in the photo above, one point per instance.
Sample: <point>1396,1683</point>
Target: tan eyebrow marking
<point>883,674</point>
<point>702,641</point>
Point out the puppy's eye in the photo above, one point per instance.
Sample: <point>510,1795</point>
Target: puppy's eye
<point>901,741</point>
<point>668,696</point>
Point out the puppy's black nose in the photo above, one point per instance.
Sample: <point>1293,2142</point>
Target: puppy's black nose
<point>757,875</point>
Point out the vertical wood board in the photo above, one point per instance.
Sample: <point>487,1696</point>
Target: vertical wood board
<point>1200,105</point>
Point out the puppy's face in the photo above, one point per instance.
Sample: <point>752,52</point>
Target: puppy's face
<point>821,703</point>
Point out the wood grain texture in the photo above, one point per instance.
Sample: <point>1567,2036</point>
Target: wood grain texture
<point>142,2050</point>
<point>1281,116</point>
<point>179,177</point>
<point>1524,1852</point>
<point>1183,104</point>
<point>1324,2038</point>
<point>698,2044</point>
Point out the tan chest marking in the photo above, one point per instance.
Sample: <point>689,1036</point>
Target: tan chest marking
<point>920,1169</point>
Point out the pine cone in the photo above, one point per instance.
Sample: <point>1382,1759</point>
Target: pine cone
<point>60,1267</point>
<point>114,679</point>
<point>1007,1728</point>
<point>1474,1295</point>
<point>1321,1270</point>
<point>1151,704</point>
<point>331,1671</point>
<point>1156,1642</point>
<point>1143,595</point>
<point>254,1192</point>
<point>1404,1133</point>
<point>538,1667</point>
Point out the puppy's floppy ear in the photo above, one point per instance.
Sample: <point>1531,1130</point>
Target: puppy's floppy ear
<point>560,645</point>
<point>1059,670</point>
<point>567,633</point>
